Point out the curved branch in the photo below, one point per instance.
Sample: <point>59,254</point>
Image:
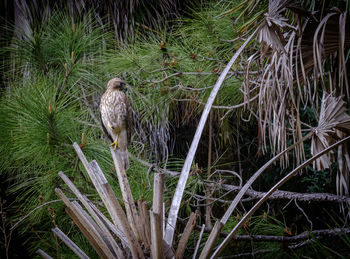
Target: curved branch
<point>36,208</point>
<point>175,205</point>
<point>218,106</point>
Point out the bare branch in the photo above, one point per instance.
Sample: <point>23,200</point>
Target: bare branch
<point>279,194</point>
<point>219,106</point>
<point>306,235</point>
<point>304,213</point>
<point>318,234</point>
<point>164,79</point>
<point>89,108</point>
<point>36,208</point>
<point>252,254</point>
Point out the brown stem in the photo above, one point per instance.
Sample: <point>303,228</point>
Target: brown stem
<point>239,152</point>
<point>208,189</point>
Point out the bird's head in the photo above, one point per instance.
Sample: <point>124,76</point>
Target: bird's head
<point>116,84</point>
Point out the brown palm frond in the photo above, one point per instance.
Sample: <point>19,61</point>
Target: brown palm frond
<point>343,159</point>
<point>271,33</point>
<point>319,42</point>
<point>276,94</point>
<point>296,57</point>
<point>333,120</point>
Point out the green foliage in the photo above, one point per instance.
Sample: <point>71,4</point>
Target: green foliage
<point>317,181</point>
<point>172,74</point>
<point>61,48</point>
<point>51,75</point>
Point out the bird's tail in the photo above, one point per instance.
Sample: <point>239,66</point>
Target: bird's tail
<point>124,158</point>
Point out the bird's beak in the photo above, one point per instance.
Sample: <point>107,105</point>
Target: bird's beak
<point>123,85</point>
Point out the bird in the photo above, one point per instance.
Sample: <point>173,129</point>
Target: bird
<point>116,118</point>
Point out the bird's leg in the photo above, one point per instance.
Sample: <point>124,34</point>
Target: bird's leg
<point>115,143</point>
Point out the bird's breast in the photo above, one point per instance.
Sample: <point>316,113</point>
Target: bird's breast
<point>114,109</point>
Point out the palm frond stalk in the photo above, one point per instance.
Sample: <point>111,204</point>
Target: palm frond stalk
<point>139,232</point>
<point>333,124</point>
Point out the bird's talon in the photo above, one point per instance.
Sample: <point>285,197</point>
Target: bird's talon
<point>115,144</point>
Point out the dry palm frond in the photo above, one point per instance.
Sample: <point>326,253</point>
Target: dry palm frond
<point>271,33</point>
<point>276,93</point>
<point>133,232</point>
<point>333,119</point>
<point>319,43</point>
<point>295,55</point>
<point>343,159</point>
<point>276,82</point>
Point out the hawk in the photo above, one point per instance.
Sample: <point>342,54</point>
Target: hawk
<point>115,110</point>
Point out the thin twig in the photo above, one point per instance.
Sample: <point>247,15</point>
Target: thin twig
<point>250,254</point>
<point>208,191</point>
<point>305,215</point>
<point>164,79</point>
<point>98,123</point>
<point>145,163</point>
<point>198,242</point>
<point>154,71</point>
<point>32,211</point>
<point>211,59</point>
<point>7,236</point>
<point>232,107</point>
<point>306,235</point>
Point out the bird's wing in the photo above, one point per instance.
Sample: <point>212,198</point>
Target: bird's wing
<point>105,129</point>
<point>129,126</point>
